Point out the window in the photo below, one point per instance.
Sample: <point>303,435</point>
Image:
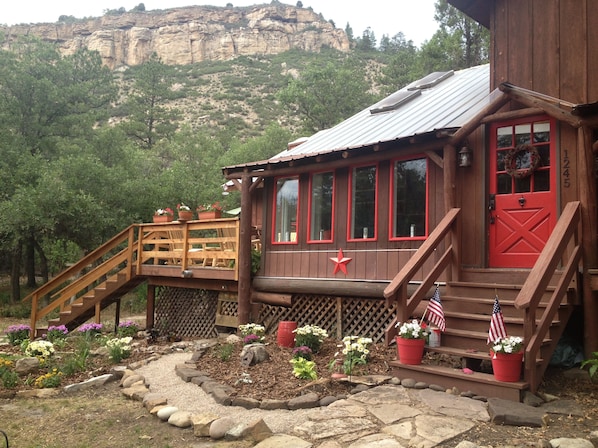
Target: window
<point>362,217</point>
<point>409,198</point>
<point>285,210</point>
<point>320,207</point>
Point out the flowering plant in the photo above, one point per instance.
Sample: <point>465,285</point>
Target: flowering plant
<point>119,348</point>
<point>50,379</point>
<point>355,351</point>
<point>412,330</point>
<point>302,351</point>
<point>91,329</point>
<point>209,207</point>
<point>127,328</point>
<point>252,333</point>
<point>511,344</point>
<point>56,332</point>
<point>17,333</point>
<point>311,336</point>
<point>183,208</point>
<point>40,349</point>
<point>164,211</point>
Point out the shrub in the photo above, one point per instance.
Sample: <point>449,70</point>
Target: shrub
<point>17,333</point>
<point>127,328</point>
<point>40,349</point>
<point>225,351</point>
<point>302,352</point>
<point>592,363</point>
<point>310,336</point>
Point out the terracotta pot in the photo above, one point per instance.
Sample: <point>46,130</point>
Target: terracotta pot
<point>285,336</point>
<point>212,214</point>
<point>506,366</point>
<point>410,351</point>
<point>185,215</point>
<point>162,218</point>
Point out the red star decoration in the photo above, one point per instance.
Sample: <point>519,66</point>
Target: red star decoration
<point>340,262</point>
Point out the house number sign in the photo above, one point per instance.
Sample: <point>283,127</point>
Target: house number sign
<point>566,167</point>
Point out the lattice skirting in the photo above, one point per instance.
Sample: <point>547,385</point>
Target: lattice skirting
<point>186,312</point>
<point>338,316</point>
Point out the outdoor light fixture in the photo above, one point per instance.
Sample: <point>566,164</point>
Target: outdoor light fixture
<point>465,156</point>
<point>187,273</point>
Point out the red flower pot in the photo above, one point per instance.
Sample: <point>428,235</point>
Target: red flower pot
<point>410,351</point>
<point>506,366</point>
<point>211,214</point>
<point>185,215</point>
<point>162,218</point>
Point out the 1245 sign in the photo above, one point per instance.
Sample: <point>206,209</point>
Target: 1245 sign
<point>565,173</point>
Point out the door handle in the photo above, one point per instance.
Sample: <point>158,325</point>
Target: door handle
<point>521,201</point>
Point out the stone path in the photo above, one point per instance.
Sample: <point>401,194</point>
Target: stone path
<point>398,415</point>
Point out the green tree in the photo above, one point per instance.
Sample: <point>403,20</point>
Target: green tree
<point>459,43</point>
<point>149,117</point>
<point>44,100</point>
<point>367,41</point>
<point>325,95</point>
<point>403,65</point>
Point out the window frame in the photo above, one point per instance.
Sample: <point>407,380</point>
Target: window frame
<point>391,208</point>
<point>309,208</point>
<point>350,203</point>
<point>275,210</point>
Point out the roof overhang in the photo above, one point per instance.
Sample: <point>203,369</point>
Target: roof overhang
<point>478,10</point>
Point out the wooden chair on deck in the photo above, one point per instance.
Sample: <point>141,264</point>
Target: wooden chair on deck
<point>177,245</point>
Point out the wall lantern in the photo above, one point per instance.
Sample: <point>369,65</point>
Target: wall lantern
<point>465,156</point>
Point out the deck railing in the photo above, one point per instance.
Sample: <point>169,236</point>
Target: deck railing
<point>397,289</point>
<point>562,248</point>
<point>196,247</point>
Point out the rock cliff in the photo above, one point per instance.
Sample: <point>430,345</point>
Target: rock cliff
<point>191,34</point>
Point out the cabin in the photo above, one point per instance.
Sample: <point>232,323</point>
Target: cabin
<point>479,181</point>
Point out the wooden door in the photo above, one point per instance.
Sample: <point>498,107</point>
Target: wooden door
<point>522,202</point>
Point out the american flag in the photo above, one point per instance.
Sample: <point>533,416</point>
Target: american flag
<point>497,324</point>
<point>435,312</point>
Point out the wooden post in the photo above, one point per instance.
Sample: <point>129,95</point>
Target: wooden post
<point>117,315</point>
<point>589,215</point>
<point>449,165</point>
<point>244,299</point>
<point>150,307</point>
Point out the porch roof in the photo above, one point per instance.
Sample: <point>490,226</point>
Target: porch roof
<point>436,111</point>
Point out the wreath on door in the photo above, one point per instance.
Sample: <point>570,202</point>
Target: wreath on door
<point>511,161</point>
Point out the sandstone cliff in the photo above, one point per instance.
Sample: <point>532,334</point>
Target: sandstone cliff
<point>191,34</point>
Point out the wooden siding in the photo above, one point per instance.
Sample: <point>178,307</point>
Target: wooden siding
<point>378,260</point>
<point>550,46</point>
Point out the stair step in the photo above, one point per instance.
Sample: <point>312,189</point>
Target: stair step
<point>483,384</point>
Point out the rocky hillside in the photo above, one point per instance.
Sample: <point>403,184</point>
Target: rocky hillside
<point>188,35</point>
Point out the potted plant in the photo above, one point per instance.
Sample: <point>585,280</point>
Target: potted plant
<point>163,215</point>
<point>507,356</point>
<point>410,341</point>
<point>184,212</point>
<point>209,211</point>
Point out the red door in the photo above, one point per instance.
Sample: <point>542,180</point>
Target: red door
<point>522,201</point>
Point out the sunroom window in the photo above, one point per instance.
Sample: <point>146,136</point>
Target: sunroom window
<point>409,198</point>
<point>321,194</point>
<point>286,208</point>
<point>363,202</point>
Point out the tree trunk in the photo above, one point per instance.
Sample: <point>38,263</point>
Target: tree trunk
<point>15,274</point>
<point>43,262</point>
<point>30,261</point>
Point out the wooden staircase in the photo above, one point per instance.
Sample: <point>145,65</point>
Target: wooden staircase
<point>536,305</point>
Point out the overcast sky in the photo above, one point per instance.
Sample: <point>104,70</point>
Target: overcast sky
<point>414,18</point>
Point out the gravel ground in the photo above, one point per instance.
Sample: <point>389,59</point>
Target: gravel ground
<point>161,378</point>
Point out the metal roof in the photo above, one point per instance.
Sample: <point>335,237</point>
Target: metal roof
<point>446,105</point>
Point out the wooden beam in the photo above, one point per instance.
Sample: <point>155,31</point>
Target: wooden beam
<point>498,100</point>
<point>435,158</point>
<point>244,249</point>
<point>512,115</point>
<point>450,161</point>
<point>549,105</point>
<point>588,197</point>
<point>271,298</point>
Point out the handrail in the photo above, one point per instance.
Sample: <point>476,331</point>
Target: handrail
<point>555,251</point>
<point>397,289</point>
<point>62,288</point>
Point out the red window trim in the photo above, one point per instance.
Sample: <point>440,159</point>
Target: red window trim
<point>274,192</point>
<point>328,241</point>
<point>349,205</point>
<point>392,202</point>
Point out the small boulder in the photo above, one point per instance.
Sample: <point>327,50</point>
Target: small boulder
<point>180,419</point>
<point>165,413</point>
<point>25,366</point>
<point>254,354</point>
